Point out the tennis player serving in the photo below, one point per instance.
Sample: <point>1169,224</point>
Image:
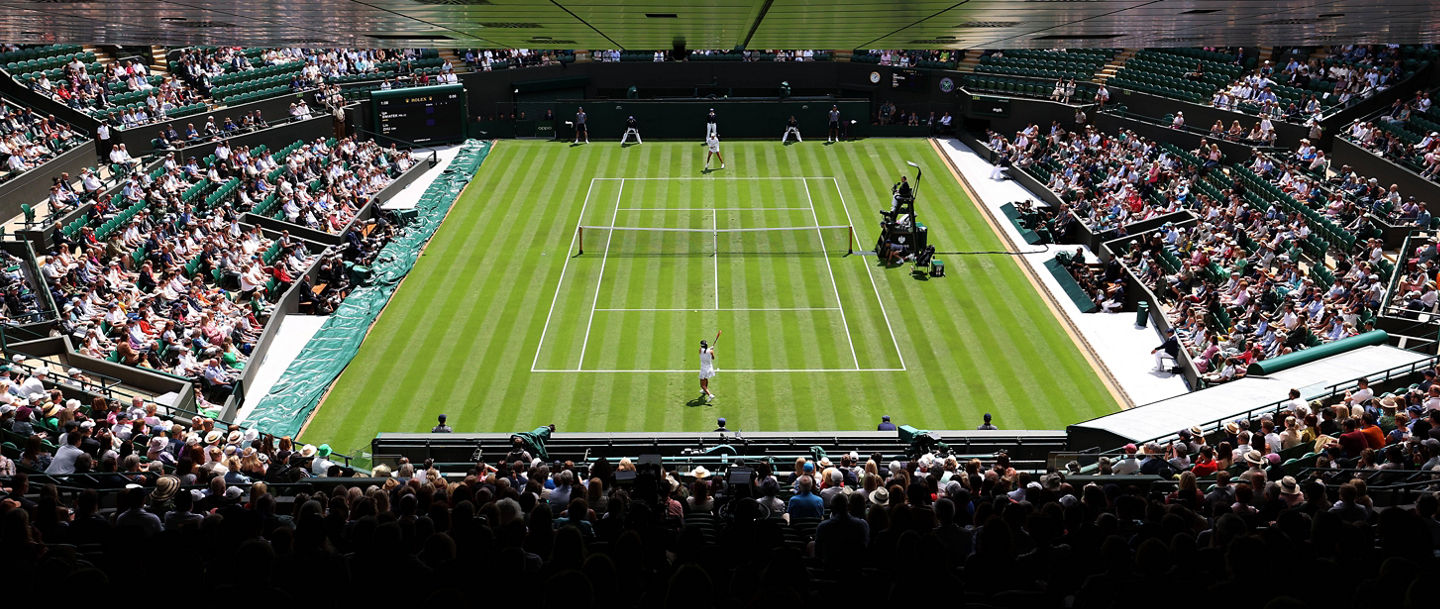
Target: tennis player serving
<point>707,369</point>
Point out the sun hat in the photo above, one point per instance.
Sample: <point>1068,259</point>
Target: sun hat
<point>700,473</point>
<point>212,437</point>
<point>308,451</point>
<point>165,488</point>
<point>234,493</point>
<point>1288,486</point>
<point>880,496</point>
<point>1255,457</point>
<point>233,437</point>
<point>323,451</point>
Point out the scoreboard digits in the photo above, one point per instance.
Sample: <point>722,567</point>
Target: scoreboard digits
<point>423,115</point>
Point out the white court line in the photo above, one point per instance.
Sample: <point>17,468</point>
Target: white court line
<point>606,256</point>
<point>578,222</point>
<point>729,178</point>
<point>714,208</point>
<point>715,254</point>
<point>741,370</point>
<point>878,299</point>
<point>833,286</point>
<point>732,309</point>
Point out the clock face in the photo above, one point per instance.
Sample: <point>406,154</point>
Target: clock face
<point>875,77</point>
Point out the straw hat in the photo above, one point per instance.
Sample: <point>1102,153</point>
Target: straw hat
<point>308,451</point>
<point>165,488</point>
<point>880,496</point>
<point>700,473</point>
<point>1322,442</point>
<point>1288,486</point>
<point>1255,458</point>
<point>212,436</point>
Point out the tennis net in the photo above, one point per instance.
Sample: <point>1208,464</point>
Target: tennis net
<point>788,241</point>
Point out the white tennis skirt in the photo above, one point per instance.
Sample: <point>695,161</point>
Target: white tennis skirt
<point>707,372</point>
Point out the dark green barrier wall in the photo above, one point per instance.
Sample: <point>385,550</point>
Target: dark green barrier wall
<point>685,119</point>
<point>1271,366</point>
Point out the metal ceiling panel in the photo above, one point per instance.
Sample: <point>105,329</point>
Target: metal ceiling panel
<point>701,24</point>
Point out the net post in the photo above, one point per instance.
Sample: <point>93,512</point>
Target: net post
<point>580,239</point>
<point>850,248</point>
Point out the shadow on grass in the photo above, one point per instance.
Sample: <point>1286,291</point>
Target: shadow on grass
<point>698,402</point>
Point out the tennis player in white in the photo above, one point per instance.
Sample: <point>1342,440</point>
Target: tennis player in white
<point>707,369</point>
<point>712,143</point>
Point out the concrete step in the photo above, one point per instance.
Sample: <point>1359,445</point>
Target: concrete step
<point>457,63</point>
<point>969,61</point>
<point>158,59</point>
<point>100,54</point>
<point>1110,69</point>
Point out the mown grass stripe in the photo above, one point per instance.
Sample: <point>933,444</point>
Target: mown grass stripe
<point>462,331</point>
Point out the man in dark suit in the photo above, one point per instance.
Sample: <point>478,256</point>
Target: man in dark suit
<point>1168,349</point>
<point>885,424</point>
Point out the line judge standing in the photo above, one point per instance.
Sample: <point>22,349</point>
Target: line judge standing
<point>580,128</point>
<point>710,125</point>
<point>834,135</point>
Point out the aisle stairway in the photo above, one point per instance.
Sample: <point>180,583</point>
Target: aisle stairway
<point>1114,66</point>
<point>456,59</point>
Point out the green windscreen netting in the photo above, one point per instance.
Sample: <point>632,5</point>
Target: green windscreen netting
<point>284,409</point>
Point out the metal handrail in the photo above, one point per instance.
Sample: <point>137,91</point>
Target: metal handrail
<point>1124,111</point>
<point>1330,391</point>
<point>434,154</point>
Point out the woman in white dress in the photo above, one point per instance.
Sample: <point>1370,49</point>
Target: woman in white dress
<point>707,369</point>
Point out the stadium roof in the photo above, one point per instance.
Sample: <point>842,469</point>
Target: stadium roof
<point>721,24</point>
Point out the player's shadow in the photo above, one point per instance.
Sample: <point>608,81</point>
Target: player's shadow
<point>698,402</point>
<point>629,144</point>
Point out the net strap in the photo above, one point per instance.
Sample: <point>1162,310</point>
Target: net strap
<point>714,230</point>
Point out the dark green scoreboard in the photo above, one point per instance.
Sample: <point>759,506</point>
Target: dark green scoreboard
<point>421,115</point>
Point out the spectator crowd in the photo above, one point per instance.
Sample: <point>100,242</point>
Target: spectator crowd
<point>1250,279</point>
<point>829,531</point>
<point>161,279</point>
<point>28,139</point>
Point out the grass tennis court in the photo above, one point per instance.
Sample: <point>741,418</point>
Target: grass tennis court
<point>504,324</point>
